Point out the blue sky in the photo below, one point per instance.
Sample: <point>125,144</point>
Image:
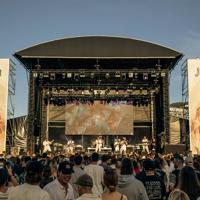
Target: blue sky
<point>173,23</point>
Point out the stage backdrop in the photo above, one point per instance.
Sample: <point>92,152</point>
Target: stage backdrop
<point>194,103</point>
<point>94,119</point>
<point>4,75</point>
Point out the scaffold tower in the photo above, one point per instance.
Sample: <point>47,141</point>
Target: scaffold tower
<point>11,99</point>
<point>184,73</point>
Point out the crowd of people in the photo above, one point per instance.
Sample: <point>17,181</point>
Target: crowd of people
<point>94,177</point>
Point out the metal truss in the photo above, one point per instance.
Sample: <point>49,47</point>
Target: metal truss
<point>11,99</point>
<point>184,73</point>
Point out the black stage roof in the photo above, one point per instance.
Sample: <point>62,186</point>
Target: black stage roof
<point>110,52</point>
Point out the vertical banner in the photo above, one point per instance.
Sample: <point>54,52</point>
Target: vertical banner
<point>194,103</point>
<point>4,76</point>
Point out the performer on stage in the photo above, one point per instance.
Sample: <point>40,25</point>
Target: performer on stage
<point>70,146</point>
<point>116,144</point>
<point>123,145</point>
<point>99,144</point>
<point>153,144</point>
<point>46,145</point>
<point>145,144</point>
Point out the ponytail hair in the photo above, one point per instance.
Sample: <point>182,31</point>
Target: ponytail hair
<point>110,179</point>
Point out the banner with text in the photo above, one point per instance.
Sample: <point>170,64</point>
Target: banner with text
<point>4,77</point>
<point>194,103</point>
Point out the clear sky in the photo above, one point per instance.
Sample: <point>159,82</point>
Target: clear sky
<point>173,23</point>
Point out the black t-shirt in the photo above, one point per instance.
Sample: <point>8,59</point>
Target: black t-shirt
<point>155,187</point>
<point>176,172</point>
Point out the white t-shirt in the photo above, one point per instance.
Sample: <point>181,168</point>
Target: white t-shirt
<point>28,192</point>
<point>96,172</point>
<point>57,191</point>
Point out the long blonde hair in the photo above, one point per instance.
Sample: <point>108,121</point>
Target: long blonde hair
<point>178,195</point>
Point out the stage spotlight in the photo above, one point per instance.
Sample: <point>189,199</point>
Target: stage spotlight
<point>46,75</point>
<point>130,74</point>
<point>69,75</point>
<point>92,75</point>
<point>63,75</point>
<point>163,74</point>
<point>117,74</point>
<point>52,76</point>
<point>76,76</point>
<point>35,74</point>
<point>123,76</point>
<point>38,66</point>
<point>82,75</point>
<point>145,76</point>
<point>107,75</point>
<point>41,75</point>
<point>136,75</point>
<point>61,102</point>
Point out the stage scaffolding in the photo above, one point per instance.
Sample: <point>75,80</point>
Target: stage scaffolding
<point>11,100</point>
<point>86,69</point>
<point>185,133</point>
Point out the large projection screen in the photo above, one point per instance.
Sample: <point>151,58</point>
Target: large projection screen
<point>194,103</point>
<point>95,119</point>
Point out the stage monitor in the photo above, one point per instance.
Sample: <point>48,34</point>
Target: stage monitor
<point>98,118</point>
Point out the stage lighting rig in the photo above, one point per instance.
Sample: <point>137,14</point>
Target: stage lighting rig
<point>117,74</point>
<point>76,76</point>
<point>82,75</point>
<point>92,75</point>
<point>52,76</point>
<point>107,75</point>
<point>145,76</point>
<point>123,76</point>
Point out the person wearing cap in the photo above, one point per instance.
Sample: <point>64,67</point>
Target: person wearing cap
<point>30,190</point>
<point>60,188</point>
<point>85,185</point>
<point>154,185</point>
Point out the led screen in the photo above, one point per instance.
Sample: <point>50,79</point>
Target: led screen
<point>96,119</point>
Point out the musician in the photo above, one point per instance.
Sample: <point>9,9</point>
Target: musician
<point>153,144</point>
<point>99,144</point>
<point>46,145</point>
<point>116,144</point>
<point>123,145</point>
<point>145,144</point>
<point>70,146</point>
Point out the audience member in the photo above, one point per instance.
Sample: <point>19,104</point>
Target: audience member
<point>110,181</point>
<point>77,172</point>
<point>96,172</point>
<point>85,185</point>
<point>60,188</point>
<point>189,183</point>
<point>128,184</point>
<point>154,184</point>
<point>178,195</point>
<point>30,190</point>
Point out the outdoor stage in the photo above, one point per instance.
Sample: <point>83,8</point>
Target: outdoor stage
<point>83,87</point>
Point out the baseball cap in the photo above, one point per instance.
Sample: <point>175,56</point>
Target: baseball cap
<point>65,167</point>
<point>149,164</point>
<point>84,180</point>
